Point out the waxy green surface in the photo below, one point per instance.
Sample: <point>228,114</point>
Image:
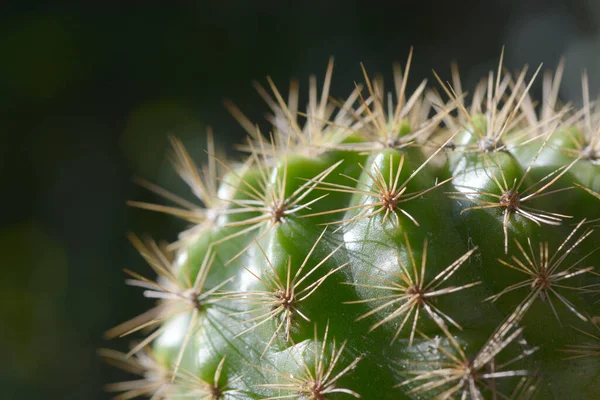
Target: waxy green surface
<point>411,270</point>
<point>368,252</point>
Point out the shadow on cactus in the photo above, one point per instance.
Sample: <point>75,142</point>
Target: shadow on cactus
<point>392,245</point>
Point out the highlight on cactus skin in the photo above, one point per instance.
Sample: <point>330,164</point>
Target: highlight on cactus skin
<point>439,243</point>
<point>413,295</point>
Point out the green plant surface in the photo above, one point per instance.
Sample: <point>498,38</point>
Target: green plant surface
<point>401,246</point>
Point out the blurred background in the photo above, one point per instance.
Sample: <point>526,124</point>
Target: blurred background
<point>89,95</point>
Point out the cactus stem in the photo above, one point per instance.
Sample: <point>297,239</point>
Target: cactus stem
<point>388,192</point>
<point>410,290</point>
<point>512,200</point>
<point>283,296</point>
<point>545,272</point>
<point>468,376</point>
<point>197,387</point>
<point>317,381</point>
<point>177,298</point>
<point>253,213</point>
<point>500,100</point>
<point>268,199</point>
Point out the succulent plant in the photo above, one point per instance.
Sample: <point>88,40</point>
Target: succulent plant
<point>394,245</point>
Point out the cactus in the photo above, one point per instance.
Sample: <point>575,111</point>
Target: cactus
<point>394,245</point>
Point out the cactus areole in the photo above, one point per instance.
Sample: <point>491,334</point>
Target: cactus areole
<point>434,244</point>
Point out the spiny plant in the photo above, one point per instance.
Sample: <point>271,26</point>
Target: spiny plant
<point>426,244</point>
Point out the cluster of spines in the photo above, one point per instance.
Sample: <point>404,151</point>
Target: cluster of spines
<point>382,123</point>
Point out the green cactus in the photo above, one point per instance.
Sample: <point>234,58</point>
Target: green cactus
<point>390,246</point>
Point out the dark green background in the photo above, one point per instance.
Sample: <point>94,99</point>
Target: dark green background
<point>89,93</point>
